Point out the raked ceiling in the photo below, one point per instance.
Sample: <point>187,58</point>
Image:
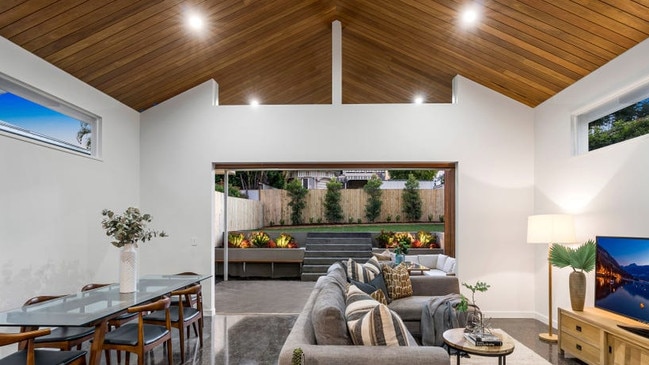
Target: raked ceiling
<point>279,51</point>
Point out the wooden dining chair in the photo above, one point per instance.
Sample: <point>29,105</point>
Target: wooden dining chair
<point>115,322</point>
<point>30,356</point>
<point>183,315</point>
<point>190,300</point>
<point>141,337</point>
<point>62,338</point>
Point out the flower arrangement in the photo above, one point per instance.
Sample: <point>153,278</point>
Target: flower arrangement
<point>285,240</point>
<point>403,241</point>
<point>130,227</point>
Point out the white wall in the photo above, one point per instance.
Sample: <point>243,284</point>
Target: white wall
<point>490,136</point>
<point>606,189</point>
<point>51,241</point>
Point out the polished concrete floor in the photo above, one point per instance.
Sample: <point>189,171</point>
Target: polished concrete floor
<point>254,317</point>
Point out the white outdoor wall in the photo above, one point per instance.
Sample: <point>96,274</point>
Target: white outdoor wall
<point>489,135</point>
<point>51,240</point>
<point>606,189</point>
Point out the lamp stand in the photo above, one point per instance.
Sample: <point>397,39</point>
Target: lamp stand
<point>549,336</point>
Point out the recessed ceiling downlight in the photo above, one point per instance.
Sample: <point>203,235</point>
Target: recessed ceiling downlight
<point>195,22</point>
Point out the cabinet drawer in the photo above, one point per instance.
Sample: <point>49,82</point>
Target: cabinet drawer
<point>584,331</point>
<point>579,348</point>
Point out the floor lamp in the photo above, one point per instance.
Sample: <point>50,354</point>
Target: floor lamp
<point>549,229</point>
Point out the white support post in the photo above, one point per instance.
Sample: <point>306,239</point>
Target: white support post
<point>336,63</point>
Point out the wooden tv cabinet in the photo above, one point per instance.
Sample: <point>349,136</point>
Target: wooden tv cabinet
<point>593,336</point>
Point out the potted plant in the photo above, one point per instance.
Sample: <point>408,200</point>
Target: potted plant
<point>475,322</point>
<point>582,260</point>
<point>403,241</point>
<point>127,230</point>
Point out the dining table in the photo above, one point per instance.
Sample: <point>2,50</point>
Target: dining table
<point>95,307</point>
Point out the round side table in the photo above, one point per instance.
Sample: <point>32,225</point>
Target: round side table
<point>454,339</point>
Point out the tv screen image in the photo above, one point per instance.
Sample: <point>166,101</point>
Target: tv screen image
<point>622,276</point>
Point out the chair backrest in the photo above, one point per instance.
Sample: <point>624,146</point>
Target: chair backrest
<point>190,296</point>
<point>32,301</point>
<point>93,286</point>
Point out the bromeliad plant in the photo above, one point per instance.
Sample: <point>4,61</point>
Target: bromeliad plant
<point>285,240</point>
<point>259,239</point>
<point>129,227</point>
<point>236,239</point>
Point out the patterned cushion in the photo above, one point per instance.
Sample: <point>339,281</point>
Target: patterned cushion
<point>379,327</point>
<point>379,296</point>
<point>398,281</point>
<point>365,272</point>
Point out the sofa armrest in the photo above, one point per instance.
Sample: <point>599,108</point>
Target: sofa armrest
<point>434,285</point>
<point>377,355</point>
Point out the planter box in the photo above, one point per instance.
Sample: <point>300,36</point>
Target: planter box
<point>261,262</point>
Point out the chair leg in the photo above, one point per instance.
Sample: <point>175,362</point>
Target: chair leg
<point>128,358</point>
<point>200,333</point>
<point>181,334</point>
<point>169,353</point>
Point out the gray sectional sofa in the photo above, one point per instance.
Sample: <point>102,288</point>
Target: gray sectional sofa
<point>321,330</point>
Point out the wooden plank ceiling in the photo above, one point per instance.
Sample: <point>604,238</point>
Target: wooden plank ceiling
<point>279,51</point>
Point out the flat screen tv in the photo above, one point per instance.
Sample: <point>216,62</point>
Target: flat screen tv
<point>622,276</point>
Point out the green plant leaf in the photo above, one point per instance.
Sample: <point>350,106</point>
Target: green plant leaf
<point>560,256</point>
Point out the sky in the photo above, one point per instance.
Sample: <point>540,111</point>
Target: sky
<point>626,250</point>
<point>28,115</point>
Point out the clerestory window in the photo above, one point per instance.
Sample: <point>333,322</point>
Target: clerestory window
<point>616,120</point>
<point>33,115</point>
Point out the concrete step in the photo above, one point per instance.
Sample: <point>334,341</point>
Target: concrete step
<point>338,235</point>
<point>315,269</point>
<point>348,254</point>
<point>329,260</point>
<point>311,276</point>
<point>361,246</point>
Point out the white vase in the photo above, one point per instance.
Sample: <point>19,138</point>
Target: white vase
<point>128,269</point>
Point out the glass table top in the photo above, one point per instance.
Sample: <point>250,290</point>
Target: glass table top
<point>86,308</point>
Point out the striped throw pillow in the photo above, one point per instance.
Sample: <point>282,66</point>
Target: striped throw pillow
<point>357,303</point>
<point>379,327</point>
<point>363,272</point>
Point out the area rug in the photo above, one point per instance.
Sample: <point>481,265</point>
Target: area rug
<point>521,355</point>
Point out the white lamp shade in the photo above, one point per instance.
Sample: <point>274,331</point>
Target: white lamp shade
<point>550,228</point>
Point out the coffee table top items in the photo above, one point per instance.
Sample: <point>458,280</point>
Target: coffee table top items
<point>455,338</point>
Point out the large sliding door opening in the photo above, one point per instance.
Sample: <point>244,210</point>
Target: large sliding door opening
<point>277,205</point>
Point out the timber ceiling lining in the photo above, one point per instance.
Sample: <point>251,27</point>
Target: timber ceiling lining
<point>279,51</point>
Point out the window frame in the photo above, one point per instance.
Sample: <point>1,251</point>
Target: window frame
<point>58,105</point>
<point>582,117</point>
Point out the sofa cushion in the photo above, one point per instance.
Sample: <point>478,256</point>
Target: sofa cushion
<point>409,308</point>
<point>430,261</point>
<point>441,260</point>
<point>363,272</point>
<point>412,258</point>
<point>383,256</point>
<point>449,265</point>
<point>379,296</point>
<point>398,281</point>
<point>379,327</point>
<point>378,283</point>
<point>328,316</point>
